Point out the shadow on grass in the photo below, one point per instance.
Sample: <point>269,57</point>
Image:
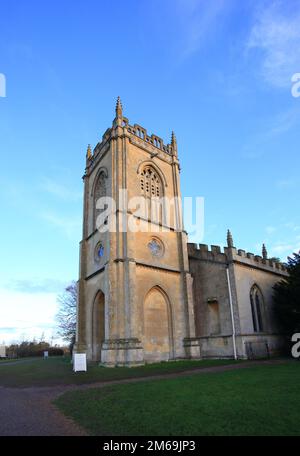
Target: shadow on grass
<point>58,371</point>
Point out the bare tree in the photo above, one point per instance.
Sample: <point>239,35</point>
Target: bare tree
<point>66,316</point>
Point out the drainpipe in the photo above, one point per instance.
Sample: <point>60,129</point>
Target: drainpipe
<point>231,313</point>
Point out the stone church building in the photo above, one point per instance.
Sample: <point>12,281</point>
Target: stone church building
<point>148,295</point>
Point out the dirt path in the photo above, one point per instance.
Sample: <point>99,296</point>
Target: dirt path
<point>29,411</point>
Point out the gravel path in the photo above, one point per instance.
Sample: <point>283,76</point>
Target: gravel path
<point>30,412</point>
<point>24,412</point>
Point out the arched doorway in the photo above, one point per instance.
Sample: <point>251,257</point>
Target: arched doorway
<point>98,325</point>
<point>157,338</point>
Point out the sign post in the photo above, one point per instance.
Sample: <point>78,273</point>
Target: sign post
<point>79,363</point>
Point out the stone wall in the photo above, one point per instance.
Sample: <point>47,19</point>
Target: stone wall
<point>211,290</point>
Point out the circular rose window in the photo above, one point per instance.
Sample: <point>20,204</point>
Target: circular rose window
<point>156,247</point>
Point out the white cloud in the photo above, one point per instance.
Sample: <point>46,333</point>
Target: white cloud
<point>270,229</point>
<point>70,226</point>
<point>289,242</point>
<point>59,190</point>
<point>287,183</point>
<point>198,19</point>
<point>293,226</point>
<point>276,36</point>
<point>26,315</point>
<point>271,128</point>
<point>37,285</point>
<point>285,248</point>
<point>282,122</point>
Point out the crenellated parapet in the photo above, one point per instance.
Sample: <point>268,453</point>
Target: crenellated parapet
<point>202,252</point>
<point>137,135</point>
<point>231,254</point>
<point>149,140</point>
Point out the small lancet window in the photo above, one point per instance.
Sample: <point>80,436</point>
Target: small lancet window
<point>256,301</point>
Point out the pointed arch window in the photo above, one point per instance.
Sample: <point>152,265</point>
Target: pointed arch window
<point>151,188</point>
<point>150,183</point>
<point>99,192</point>
<point>256,300</point>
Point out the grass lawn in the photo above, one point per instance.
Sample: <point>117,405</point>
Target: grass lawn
<point>262,400</point>
<point>58,371</point>
<point>8,360</point>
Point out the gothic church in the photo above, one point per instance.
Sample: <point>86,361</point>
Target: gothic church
<point>149,295</point>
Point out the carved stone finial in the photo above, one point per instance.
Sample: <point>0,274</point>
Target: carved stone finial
<point>119,108</point>
<point>264,252</point>
<point>229,239</point>
<point>174,143</point>
<point>173,139</point>
<point>89,151</point>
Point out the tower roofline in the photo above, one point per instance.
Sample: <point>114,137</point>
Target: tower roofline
<point>138,134</point>
<point>141,132</point>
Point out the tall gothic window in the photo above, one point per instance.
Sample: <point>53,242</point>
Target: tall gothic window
<point>150,183</point>
<point>99,191</point>
<point>152,189</point>
<point>256,300</point>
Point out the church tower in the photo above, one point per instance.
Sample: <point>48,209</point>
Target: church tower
<point>135,302</point>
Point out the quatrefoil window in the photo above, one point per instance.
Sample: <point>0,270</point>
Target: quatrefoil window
<point>156,247</point>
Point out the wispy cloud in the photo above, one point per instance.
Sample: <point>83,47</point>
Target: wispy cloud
<point>60,190</point>
<point>70,226</point>
<point>198,20</point>
<point>36,285</point>
<point>292,226</point>
<point>270,229</point>
<point>28,327</point>
<point>288,183</point>
<point>270,129</point>
<point>283,247</point>
<point>287,244</point>
<point>282,122</point>
<point>26,315</point>
<point>275,35</point>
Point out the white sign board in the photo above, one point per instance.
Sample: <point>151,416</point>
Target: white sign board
<point>79,363</point>
<point>46,354</point>
<point>2,351</point>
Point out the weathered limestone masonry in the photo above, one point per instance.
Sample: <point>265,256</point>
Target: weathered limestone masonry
<point>135,291</point>
<point>146,296</point>
<point>247,281</point>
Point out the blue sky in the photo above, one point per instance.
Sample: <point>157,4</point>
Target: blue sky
<point>218,73</point>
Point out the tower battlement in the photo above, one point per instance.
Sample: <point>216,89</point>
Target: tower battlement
<point>231,254</point>
<point>153,140</point>
<point>137,135</point>
<point>202,252</point>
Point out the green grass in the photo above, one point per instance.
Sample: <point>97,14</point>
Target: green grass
<point>7,360</point>
<point>262,400</point>
<point>58,371</point>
